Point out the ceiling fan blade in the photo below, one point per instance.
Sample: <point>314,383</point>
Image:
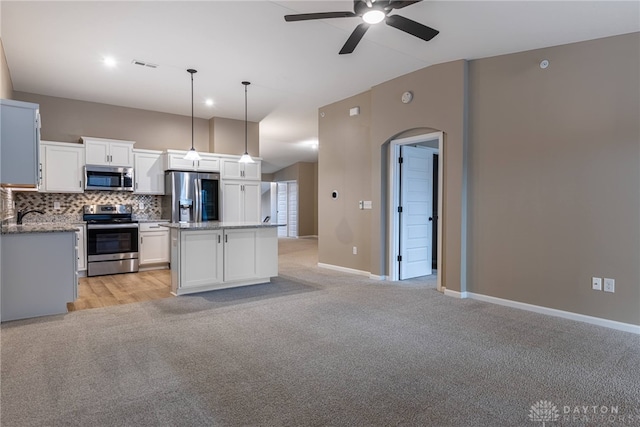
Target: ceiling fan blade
<point>401,4</point>
<point>321,15</point>
<point>354,39</point>
<point>412,27</point>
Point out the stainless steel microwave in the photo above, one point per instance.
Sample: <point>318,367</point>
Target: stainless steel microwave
<point>111,178</point>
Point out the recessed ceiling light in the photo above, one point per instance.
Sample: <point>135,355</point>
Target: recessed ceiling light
<point>109,61</point>
<point>209,102</point>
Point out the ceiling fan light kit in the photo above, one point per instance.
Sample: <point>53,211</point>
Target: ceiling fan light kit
<point>372,12</point>
<point>192,154</point>
<point>374,16</point>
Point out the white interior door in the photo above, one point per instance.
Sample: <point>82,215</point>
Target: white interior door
<point>292,215</point>
<point>416,201</point>
<point>282,208</point>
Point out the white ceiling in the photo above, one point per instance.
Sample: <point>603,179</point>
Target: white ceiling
<point>56,48</point>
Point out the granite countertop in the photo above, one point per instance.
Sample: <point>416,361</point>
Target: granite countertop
<point>218,225</point>
<point>40,228</point>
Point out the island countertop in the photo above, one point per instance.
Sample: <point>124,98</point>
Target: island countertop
<point>218,225</point>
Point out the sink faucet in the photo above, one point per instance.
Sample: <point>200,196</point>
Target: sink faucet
<point>22,214</point>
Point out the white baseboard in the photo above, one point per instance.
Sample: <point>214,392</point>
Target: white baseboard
<point>375,277</point>
<point>344,269</point>
<point>612,324</point>
<point>454,294</point>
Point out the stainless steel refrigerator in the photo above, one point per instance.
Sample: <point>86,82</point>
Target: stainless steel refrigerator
<point>191,196</point>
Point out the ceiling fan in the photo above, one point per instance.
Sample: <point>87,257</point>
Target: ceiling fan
<point>372,12</point>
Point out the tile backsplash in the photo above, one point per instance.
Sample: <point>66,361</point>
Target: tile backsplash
<point>71,204</point>
<point>6,205</point>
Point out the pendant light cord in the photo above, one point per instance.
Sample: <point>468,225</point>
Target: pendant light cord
<point>246,151</point>
<point>191,110</point>
<point>192,72</point>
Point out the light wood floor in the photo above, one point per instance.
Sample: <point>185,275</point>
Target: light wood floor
<point>103,291</point>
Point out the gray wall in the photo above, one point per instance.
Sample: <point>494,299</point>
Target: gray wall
<point>306,175</point>
<point>6,87</point>
<point>67,120</point>
<point>554,167</point>
<point>226,136</point>
<point>541,185</point>
<point>344,165</point>
<point>352,160</point>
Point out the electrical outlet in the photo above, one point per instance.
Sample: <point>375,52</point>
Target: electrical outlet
<point>56,205</point>
<point>140,205</point>
<point>609,285</point>
<point>355,250</point>
<point>596,283</point>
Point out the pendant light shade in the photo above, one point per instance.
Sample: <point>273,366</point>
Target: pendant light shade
<point>246,158</point>
<point>192,154</point>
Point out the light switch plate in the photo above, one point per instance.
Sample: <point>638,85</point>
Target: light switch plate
<point>609,285</point>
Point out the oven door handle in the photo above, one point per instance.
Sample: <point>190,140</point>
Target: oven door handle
<point>109,226</point>
<point>198,196</point>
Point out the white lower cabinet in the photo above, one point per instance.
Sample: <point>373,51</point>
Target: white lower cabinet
<point>249,253</point>
<point>154,244</point>
<point>203,260</point>
<point>39,274</point>
<point>81,248</point>
<point>201,254</point>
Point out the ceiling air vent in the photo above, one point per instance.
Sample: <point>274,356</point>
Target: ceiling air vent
<point>144,64</point>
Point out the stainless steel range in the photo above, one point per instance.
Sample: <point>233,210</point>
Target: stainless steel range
<point>112,239</point>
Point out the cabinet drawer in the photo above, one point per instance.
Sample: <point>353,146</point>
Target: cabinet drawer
<point>152,226</point>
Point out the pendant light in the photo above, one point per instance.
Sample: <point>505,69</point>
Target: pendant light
<point>192,154</point>
<point>246,158</point>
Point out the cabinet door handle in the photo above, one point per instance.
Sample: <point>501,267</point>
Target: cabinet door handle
<point>80,184</point>
<point>225,238</point>
<point>141,239</point>
<point>136,185</point>
<point>218,238</point>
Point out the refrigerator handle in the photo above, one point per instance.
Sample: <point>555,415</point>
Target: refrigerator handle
<point>197,209</point>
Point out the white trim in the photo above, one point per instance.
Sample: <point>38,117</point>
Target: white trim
<point>344,269</point>
<point>376,277</point>
<point>612,324</point>
<point>455,294</point>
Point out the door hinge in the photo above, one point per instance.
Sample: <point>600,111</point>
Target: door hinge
<point>399,257</point>
<point>400,209</point>
<point>400,160</point>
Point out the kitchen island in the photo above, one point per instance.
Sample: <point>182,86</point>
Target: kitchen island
<point>218,255</point>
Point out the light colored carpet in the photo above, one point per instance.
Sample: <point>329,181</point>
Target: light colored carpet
<point>315,347</point>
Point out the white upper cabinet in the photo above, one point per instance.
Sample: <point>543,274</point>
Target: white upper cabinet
<point>20,136</point>
<point>240,201</point>
<point>108,152</point>
<point>148,172</point>
<point>174,160</point>
<point>61,167</point>
<point>232,169</point>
